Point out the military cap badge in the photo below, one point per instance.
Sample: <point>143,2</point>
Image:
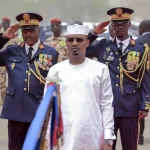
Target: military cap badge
<point>119,11</point>
<point>26,16</point>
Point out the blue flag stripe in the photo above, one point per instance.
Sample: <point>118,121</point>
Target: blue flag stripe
<point>36,125</point>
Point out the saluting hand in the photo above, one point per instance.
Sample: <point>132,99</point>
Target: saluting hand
<point>99,29</point>
<point>10,33</point>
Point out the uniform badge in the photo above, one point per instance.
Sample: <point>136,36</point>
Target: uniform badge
<point>108,55</point>
<point>108,49</point>
<point>26,16</point>
<point>111,53</point>
<point>44,61</point>
<point>133,59</point>
<point>119,11</point>
<point>110,58</point>
<point>13,65</point>
<point>41,46</point>
<point>133,42</point>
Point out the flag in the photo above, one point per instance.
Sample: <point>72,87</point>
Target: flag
<point>35,139</point>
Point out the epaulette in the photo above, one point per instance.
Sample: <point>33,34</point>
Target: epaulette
<point>11,45</point>
<point>132,42</point>
<point>141,43</point>
<point>22,44</point>
<point>41,46</point>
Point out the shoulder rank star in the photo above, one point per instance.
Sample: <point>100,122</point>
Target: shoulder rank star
<point>13,65</point>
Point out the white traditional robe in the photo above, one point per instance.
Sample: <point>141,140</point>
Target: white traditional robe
<point>86,103</point>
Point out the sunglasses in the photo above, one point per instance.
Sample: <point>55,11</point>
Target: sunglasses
<point>72,39</point>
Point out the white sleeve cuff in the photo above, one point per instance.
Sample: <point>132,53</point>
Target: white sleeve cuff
<point>93,33</point>
<point>109,134</point>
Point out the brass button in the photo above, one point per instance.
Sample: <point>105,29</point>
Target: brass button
<point>25,89</point>
<point>26,71</point>
<point>117,76</point>
<point>147,96</point>
<point>116,84</point>
<point>28,64</point>
<point>134,91</point>
<point>25,80</point>
<point>118,67</point>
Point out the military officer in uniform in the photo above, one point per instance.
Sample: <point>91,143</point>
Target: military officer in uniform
<point>27,66</point>
<point>144,32</point>
<point>129,71</point>
<point>3,73</point>
<point>57,41</point>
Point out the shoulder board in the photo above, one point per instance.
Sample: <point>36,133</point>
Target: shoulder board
<point>141,43</point>
<point>22,44</point>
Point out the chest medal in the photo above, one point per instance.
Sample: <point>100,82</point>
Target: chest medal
<point>133,60</point>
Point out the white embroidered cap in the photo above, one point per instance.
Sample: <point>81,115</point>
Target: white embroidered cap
<point>77,29</point>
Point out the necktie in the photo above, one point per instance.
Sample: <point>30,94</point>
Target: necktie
<point>120,48</point>
<point>30,53</point>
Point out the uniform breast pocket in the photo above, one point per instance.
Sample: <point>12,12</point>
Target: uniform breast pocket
<point>9,99</point>
<point>130,89</point>
<point>10,91</point>
<point>15,63</point>
<point>131,95</point>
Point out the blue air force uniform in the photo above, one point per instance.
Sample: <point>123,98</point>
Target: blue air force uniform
<point>25,86</point>
<point>129,71</point>
<point>26,80</point>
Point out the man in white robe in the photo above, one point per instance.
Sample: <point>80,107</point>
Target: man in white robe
<point>86,96</point>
